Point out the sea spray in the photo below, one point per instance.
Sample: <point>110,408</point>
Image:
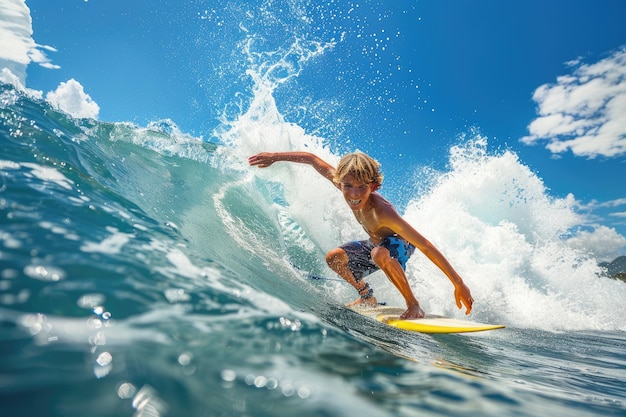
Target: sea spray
<point>126,293</point>
<point>498,225</point>
<point>262,128</point>
<point>489,213</point>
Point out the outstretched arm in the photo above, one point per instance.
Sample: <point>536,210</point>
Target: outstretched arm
<point>462,293</point>
<point>265,159</point>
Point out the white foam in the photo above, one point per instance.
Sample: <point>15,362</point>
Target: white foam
<point>48,174</point>
<point>110,245</point>
<point>490,215</point>
<point>495,221</point>
<point>163,137</point>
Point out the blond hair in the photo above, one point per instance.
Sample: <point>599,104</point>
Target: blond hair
<point>364,168</point>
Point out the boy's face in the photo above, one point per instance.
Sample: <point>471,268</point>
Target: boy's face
<point>356,193</point>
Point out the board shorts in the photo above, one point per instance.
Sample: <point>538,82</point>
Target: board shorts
<point>360,254</point>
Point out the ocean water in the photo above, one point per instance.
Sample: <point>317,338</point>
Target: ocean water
<point>144,272</point>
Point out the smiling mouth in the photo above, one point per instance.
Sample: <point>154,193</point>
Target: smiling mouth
<point>354,202</point>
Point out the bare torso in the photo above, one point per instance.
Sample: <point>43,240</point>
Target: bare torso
<point>374,216</point>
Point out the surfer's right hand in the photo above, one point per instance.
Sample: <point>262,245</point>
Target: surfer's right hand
<point>262,160</point>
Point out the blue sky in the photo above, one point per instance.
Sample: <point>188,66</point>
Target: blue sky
<point>544,78</point>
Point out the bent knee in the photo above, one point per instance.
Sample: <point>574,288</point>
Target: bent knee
<point>336,256</point>
<point>381,256</point>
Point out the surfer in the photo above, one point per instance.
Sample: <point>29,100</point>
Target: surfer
<point>392,240</point>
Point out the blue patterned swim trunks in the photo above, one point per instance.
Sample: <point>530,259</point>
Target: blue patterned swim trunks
<point>360,254</point>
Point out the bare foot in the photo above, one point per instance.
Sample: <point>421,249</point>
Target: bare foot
<point>370,302</point>
<point>414,311</point>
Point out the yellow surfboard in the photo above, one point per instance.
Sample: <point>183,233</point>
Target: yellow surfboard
<point>429,324</point>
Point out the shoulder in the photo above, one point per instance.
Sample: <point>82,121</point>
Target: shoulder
<point>385,211</point>
<point>381,203</point>
<point>388,217</point>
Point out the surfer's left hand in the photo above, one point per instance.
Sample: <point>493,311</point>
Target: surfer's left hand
<point>463,296</point>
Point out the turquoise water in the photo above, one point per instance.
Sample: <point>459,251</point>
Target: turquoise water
<point>144,272</point>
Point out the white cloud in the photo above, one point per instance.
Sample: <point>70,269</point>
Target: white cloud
<point>603,242</point>
<point>613,203</point>
<point>72,99</point>
<point>7,77</point>
<point>17,47</point>
<point>584,112</point>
